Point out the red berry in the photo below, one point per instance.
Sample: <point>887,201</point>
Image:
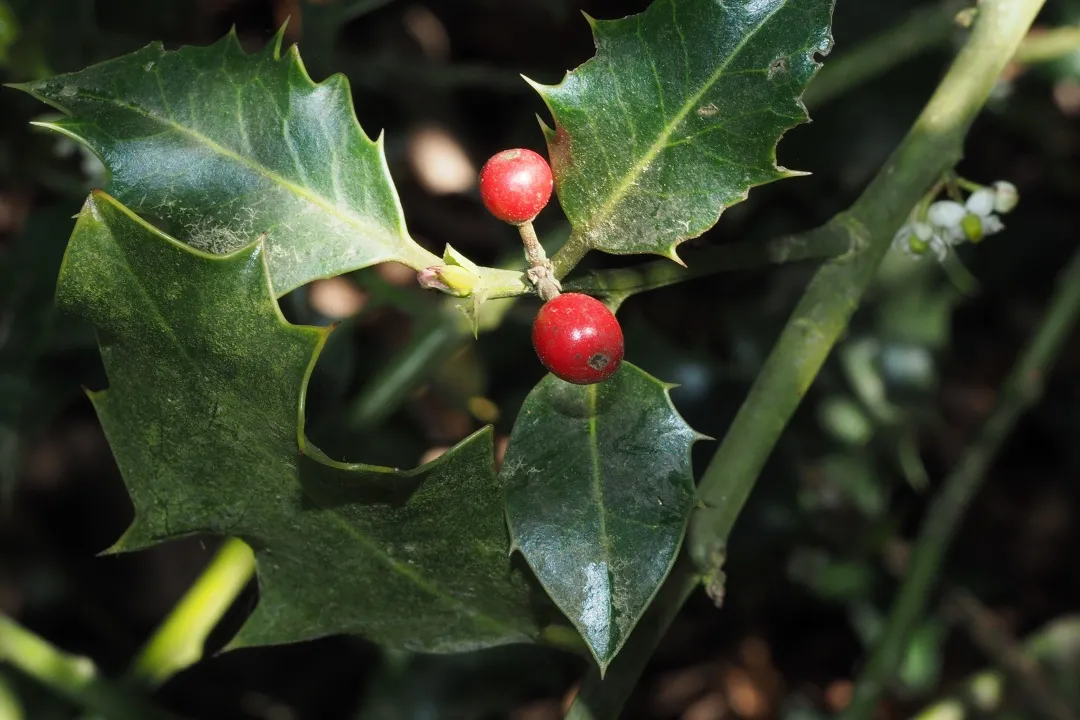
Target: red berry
<point>515,185</point>
<point>578,339</point>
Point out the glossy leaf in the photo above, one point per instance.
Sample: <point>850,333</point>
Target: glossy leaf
<point>204,415</point>
<point>678,115</point>
<point>222,146</point>
<point>599,487</point>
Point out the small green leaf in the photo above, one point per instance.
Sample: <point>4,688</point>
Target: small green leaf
<point>598,490</point>
<point>222,146</point>
<point>204,413</point>
<point>678,116</point>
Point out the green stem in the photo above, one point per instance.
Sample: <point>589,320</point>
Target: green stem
<point>925,28</point>
<point>569,255</point>
<point>603,698</point>
<point>428,348</point>
<point>984,693</point>
<point>382,395</point>
<point>622,283</point>
<point>1050,45</point>
<point>1020,667</point>
<point>178,641</point>
<point>921,30</point>
<point>1022,389</point>
<point>932,146</point>
<point>74,677</point>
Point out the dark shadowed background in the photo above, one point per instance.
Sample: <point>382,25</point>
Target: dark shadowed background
<point>813,560</point>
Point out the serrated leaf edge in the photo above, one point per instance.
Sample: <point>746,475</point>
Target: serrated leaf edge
<point>545,91</point>
<point>602,665</point>
<point>303,446</point>
<point>417,257</point>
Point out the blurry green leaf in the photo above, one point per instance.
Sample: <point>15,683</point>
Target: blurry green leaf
<point>1056,647</point>
<point>918,313</point>
<point>830,578</point>
<point>204,413</point>
<point>321,23</point>
<point>921,668</point>
<point>844,419</point>
<point>845,479</point>
<point>678,116</point>
<point>856,478</point>
<point>222,146</point>
<point>31,395</point>
<point>10,707</point>
<point>28,271</point>
<point>54,35</point>
<point>598,490</point>
<point>9,30</point>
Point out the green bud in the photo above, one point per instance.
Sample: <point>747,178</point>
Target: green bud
<point>451,279</point>
<point>917,244</point>
<point>972,225</point>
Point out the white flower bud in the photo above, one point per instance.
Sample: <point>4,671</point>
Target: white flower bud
<point>946,214</point>
<point>1005,196</point>
<point>981,202</point>
<point>992,224</point>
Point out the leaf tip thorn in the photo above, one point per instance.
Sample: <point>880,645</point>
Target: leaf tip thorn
<point>672,254</point>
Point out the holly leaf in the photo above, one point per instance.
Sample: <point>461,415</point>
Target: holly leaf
<point>221,146</point>
<point>204,414</point>
<point>599,487</point>
<point>678,116</point>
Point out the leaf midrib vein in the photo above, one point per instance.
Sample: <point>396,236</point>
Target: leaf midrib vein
<point>431,588</point>
<point>368,229</point>
<point>598,496</point>
<point>630,178</point>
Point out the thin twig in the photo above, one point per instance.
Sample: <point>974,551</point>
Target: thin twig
<point>72,676</point>
<point>1008,654</point>
<point>619,284</point>
<point>178,641</point>
<point>1040,47</point>
<point>925,28</point>
<point>962,607</point>
<point>1021,390</point>
<point>1053,647</point>
<point>933,146</point>
<point>440,339</point>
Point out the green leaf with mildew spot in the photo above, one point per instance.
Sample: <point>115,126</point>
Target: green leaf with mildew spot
<point>204,414</point>
<point>220,146</point>
<point>599,487</point>
<point>678,115</point>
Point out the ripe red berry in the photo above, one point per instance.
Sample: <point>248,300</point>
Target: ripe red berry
<point>578,339</point>
<point>515,185</point>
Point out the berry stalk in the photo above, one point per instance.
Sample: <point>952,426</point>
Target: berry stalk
<point>540,273</point>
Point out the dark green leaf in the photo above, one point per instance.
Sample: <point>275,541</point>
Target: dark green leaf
<point>598,490</point>
<point>678,116</point>
<point>222,146</point>
<point>204,415</point>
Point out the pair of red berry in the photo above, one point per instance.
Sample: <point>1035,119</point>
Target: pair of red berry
<point>575,336</point>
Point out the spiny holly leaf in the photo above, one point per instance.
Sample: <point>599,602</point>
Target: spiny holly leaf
<point>222,146</point>
<point>204,413</point>
<point>678,115</point>
<point>598,491</point>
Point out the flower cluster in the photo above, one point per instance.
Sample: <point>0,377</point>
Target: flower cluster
<point>943,224</point>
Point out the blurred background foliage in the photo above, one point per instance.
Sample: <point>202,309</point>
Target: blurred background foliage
<point>814,559</point>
